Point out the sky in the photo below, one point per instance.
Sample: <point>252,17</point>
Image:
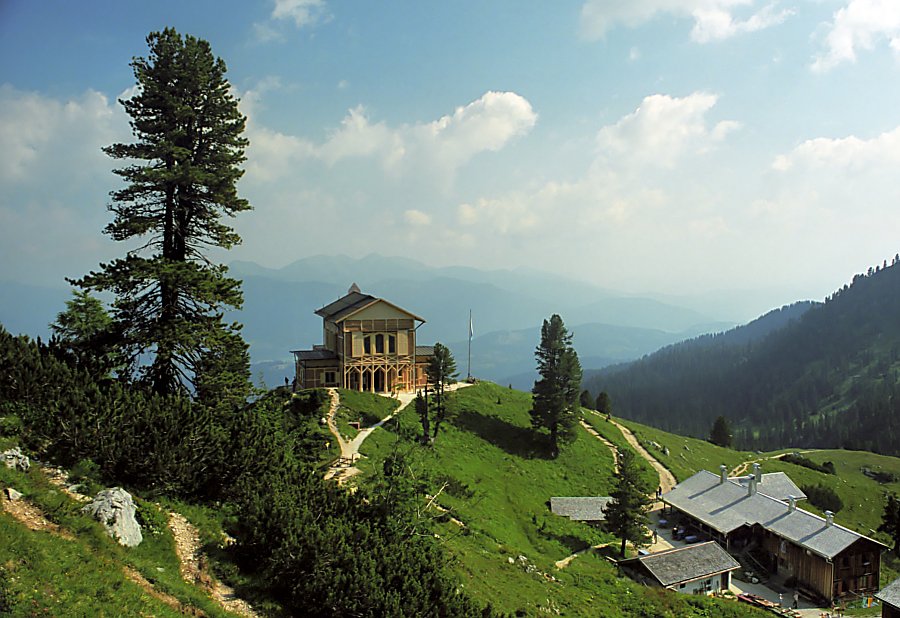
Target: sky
<point>671,147</point>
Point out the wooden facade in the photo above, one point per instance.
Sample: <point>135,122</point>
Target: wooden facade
<point>369,344</point>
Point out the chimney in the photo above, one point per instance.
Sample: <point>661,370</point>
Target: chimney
<point>829,519</point>
<point>751,486</point>
<point>792,504</point>
<point>757,473</point>
<point>723,474</point>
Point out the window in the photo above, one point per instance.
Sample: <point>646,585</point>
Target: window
<point>329,377</point>
<point>379,344</point>
<point>367,345</point>
<point>392,344</point>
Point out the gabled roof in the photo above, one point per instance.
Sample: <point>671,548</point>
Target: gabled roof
<point>688,563</point>
<point>352,302</point>
<point>355,301</point>
<point>725,507</point>
<point>890,594</point>
<point>314,354</point>
<point>775,484</point>
<point>580,509</point>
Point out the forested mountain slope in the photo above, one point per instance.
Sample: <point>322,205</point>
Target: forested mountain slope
<point>827,379</point>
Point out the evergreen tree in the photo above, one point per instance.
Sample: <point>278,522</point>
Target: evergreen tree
<point>890,520</point>
<point>720,434</point>
<point>441,372</point>
<point>84,331</point>
<point>604,405</point>
<point>423,412</point>
<point>586,400</point>
<point>556,393</point>
<point>180,174</point>
<point>626,514</point>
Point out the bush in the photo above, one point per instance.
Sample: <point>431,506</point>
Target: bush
<point>823,497</point>
<point>800,460</point>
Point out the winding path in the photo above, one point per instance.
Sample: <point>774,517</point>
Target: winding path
<point>666,479</point>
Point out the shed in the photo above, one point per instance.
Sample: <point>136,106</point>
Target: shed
<point>693,569</point>
<point>581,508</point>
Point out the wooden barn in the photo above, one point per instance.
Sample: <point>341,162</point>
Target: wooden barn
<point>369,344</point>
<point>829,561</point>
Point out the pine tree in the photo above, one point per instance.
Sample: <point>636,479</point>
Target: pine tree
<point>555,402</point>
<point>626,514</point>
<point>890,520</point>
<point>441,372</point>
<point>720,434</point>
<point>604,405</point>
<point>586,400</point>
<point>84,332</point>
<point>180,174</point>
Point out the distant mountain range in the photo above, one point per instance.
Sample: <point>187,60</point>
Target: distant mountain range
<point>816,375</point>
<point>508,307</point>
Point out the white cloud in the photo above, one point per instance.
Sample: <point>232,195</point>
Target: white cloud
<point>859,26</point>
<point>301,12</point>
<point>662,129</point>
<point>439,147</point>
<point>714,20</point>
<point>417,217</point>
<point>848,153</point>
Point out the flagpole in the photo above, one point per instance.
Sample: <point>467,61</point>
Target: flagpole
<point>469,366</point>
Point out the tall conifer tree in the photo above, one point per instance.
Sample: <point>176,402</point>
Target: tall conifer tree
<point>180,173</point>
<point>555,404</point>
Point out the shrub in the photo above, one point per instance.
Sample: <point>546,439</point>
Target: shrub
<point>823,497</point>
<point>800,460</point>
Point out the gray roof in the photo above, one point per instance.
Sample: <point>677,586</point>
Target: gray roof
<point>776,484</point>
<point>890,594</point>
<point>580,509</point>
<point>688,563</point>
<point>424,350</point>
<point>314,354</point>
<point>345,305</point>
<point>725,507</point>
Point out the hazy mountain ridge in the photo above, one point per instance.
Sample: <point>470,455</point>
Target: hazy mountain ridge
<point>830,377</point>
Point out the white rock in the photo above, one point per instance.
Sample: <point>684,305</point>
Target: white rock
<point>114,508</point>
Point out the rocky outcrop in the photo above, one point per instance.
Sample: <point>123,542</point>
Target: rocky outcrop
<point>114,508</point>
<point>17,460</point>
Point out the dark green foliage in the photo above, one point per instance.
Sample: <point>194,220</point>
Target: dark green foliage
<point>799,460</point>
<point>604,405</point>
<point>626,515</point>
<point>890,520</point>
<point>424,415</point>
<point>441,372</point>
<point>556,392</point>
<point>180,174</point>
<point>823,497</point>
<point>586,400</point>
<point>86,333</point>
<point>828,378</point>
<point>880,476</point>
<point>720,434</point>
<point>163,443</point>
<point>324,551</point>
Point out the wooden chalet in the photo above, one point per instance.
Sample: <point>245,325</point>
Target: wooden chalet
<point>694,569</point>
<point>369,344</point>
<point>828,560</point>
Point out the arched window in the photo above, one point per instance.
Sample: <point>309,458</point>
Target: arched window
<point>379,344</point>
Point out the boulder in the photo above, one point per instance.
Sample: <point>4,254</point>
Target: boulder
<point>114,508</point>
<point>14,458</point>
<point>12,495</point>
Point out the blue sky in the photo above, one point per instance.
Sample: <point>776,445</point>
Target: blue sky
<point>744,147</point>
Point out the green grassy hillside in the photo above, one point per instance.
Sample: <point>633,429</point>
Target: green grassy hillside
<point>77,570</point>
<point>495,483</point>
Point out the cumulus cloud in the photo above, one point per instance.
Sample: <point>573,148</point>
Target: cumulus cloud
<point>859,26</point>
<point>848,153</point>
<point>714,20</point>
<point>417,217</point>
<point>301,12</point>
<point>440,147</point>
<point>662,129</point>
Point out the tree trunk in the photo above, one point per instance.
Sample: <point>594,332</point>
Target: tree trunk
<point>622,550</point>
